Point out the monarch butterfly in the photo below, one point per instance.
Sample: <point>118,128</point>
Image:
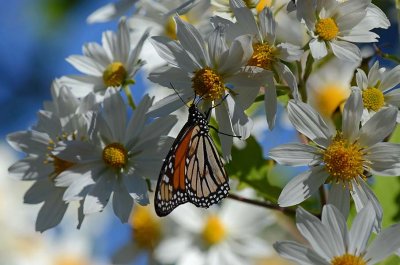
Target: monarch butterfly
<point>192,170</point>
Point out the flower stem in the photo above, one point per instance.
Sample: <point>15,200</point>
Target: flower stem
<point>264,204</point>
<point>322,195</point>
<point>129,96</point>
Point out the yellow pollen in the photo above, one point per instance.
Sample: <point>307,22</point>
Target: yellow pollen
<point>59,165</point>
<point>146,228</point>
<point>208,84</point>
<point>348,259</point>
<point>326,29</point>
<point>263,56</point>
<point>373,99</point>
<point>262,4</point>
<point>214,231</point>
<point>115,75</point>
<point>115,155</point>
<point>329,98</point>
<point>170,26</point>
<point>344,161</point>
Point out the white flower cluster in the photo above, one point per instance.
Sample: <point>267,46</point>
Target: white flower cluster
<point>87,147</point>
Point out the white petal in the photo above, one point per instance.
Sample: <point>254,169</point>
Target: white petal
<point>99,195</point>
<point>122,202</point>
<point>286,74</point>
<point>51,212</point>
<point>361,229</point>
<point>308,122</point>
<point>352,113</point>
<point>346,51</point>
<point>28,141</point>
<point>85,65</point>
<point>363,195</point>
<point>114,106</point>
<point>170,249</point>
<point>192,41</point>
<point>173,53</point>
<point>289,52</point>
<point>362,79</point>
<point>316,233</point>
<point>225,126</point>
<point>393,97</point>
<point>267,25</point>
<point>138,119</point>
<point>77,152</point>
<point>238,55</point>
<point>299,253</point>
<point>391,79</point>
<point>217,44</point>
<point>110,11</point>
<point>241,124</point>
<point>336,223</point>
<point>385,244</point>
<point>385,159</point>
<point>137,188</point>
<point>295,154</point>
<point>302,186</point>
<point>378,127</point>
<point>271,105</point>
<point>339,196</point>
<point>318,49</point>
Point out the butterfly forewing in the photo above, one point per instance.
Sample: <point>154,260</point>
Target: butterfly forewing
<point>193,170</point>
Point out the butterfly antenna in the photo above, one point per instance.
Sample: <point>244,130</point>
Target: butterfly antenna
<point>184,103</point>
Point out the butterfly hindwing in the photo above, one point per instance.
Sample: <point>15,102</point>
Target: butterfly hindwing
<point>192,170</point>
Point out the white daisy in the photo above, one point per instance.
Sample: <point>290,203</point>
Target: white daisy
<point>333,244</point>
<point>343,159</point>
<point>226,235</point>
<point>63,119</point>
<point>111,11</point>
<point>329,87</point>
<point>210,70</point>
<point>379,89</point>
<point>158,16</point>
<point>112,65</point>
<point>268,53</point>
<point>337,25</point>
<point>116,159</point>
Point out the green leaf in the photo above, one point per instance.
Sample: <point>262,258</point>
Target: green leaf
<point>250,167</point>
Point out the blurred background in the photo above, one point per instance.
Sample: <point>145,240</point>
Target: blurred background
<point>35,38</point>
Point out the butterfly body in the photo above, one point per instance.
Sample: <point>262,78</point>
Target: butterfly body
<point>192,170</point>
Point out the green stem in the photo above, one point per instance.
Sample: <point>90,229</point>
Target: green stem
<point>129,96</point>
<point>322,195</point>
<point>384,55</point>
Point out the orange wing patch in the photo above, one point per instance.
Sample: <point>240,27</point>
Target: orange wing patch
<point>180,160</point>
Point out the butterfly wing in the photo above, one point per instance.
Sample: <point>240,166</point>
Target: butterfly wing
<point>171,188</point>
<point>206,179</point>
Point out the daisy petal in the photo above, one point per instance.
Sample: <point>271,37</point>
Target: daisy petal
<point>99,195</point>
<point>361,229</point>
<point>85,65</point>
<point>308,122</point>
<point>122,202</point>
<point>336,223</point>
<point>271,104</point>
<point>346,51</point>
<point>385,159</point>
<point>318,49</point>
<point>295,154</point>
<point>378,127</point>
<point>352,113</point>
<point>387,242</point>
<point>316,233</point>
<point>302,186</point>
<point>339,196</point>
<point>299,253</point>
<point>51,212</point>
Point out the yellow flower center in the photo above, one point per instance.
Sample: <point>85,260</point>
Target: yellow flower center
<point>344,161</point>
<point>146,228</point>
<point>114,75</point>
<point>373,99</point>
<point>115,155</point>
<point>348,259</point>
<point>329,98</point>
<point>208,84</point>
<point>262,4</point>
<point>326,29</point>
<point>68,259</point>
<point>170,26</point>
<point>214,231</point>
<point>263,56</point>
